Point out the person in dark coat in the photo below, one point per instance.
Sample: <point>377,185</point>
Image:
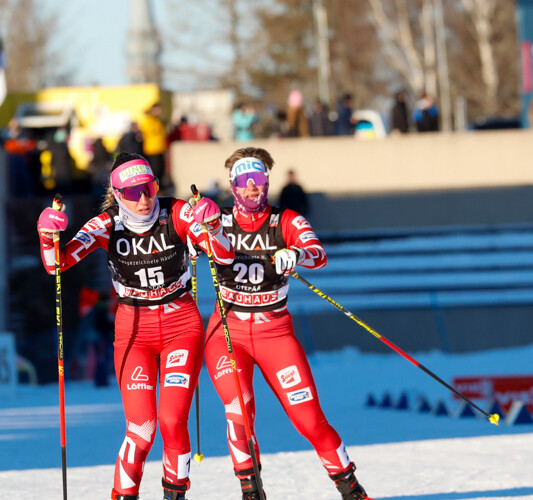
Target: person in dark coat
<point>100,168</point>
<point>131,141</point>
<point>293,196</point>
<point>426,114</point>
<point>62,162</point>
<point>319,123</point>
<point>400,114</point>
<point>345,124</point>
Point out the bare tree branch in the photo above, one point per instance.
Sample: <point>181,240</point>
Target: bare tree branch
<point>399,42</point>
<point>481,13</point>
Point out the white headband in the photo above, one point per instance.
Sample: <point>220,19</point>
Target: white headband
<point>246,165</point>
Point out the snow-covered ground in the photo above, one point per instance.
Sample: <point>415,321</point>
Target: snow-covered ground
<point>400,454</point>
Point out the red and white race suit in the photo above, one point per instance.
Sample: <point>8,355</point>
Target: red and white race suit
<point>262,333</point>
<point>156,319</point>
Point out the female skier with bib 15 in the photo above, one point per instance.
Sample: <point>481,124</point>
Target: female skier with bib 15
<point>158,329</point>
<point>268,244</point>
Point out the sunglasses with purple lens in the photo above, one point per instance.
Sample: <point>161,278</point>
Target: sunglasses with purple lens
<point>133,193</point>
<point>258,178</point>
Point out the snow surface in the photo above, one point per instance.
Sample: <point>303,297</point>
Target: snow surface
<point>399,454</point>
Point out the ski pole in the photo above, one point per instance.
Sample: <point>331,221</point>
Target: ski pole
<point>60,365</point>
<point>229,345</point>
<point>493,418</point>
<point>197,456</point>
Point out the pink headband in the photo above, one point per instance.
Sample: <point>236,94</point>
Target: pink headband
<point>131,173</point>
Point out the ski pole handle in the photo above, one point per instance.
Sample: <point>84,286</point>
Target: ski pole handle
<point>57,202</point>
<point>195,192</point>
<point>57,205</point>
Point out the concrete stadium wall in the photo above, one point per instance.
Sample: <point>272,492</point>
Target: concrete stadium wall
<point>399,164</point>
<point>401,181</point>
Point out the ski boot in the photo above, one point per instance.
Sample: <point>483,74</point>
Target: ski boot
<point>248,484</point>
<point>174,491</point>
<point>118,496</point>
<point>349,487</point>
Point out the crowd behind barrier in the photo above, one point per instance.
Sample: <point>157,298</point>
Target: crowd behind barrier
<point>40,160</point>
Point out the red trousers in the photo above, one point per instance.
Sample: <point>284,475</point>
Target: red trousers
<point>268,341</point>
<point>157,342</point>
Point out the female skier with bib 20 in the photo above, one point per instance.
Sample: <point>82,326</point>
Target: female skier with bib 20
<point>269,242</point>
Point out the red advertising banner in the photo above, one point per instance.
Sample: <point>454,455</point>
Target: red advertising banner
<point>503,389</point>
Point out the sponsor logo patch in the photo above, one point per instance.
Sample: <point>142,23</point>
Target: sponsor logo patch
<point>84,238</point>
<point>140,380</point>
<point>140,386</point>
<point>289,377</point>
<point>177,358</point>
<point>251,299</point>
<point>177,380</point>
<point>119,226</point>
<point>163,216</point>
<point>196,229</point>
<point>224,367</point>
<point>301,222</point>
<point>186,213</point>
<point>251,242</point>
<point>138,374</point>
<point>227,220</point>
<point>300,396</point>
<point>247,165</point>
<point>133,171</point>
<point>274,220</point>
<point>308,235</point>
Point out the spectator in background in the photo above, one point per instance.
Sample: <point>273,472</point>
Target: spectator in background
<point>155,140</point>
<point>23,165</point>
<point>62,162</point>
<point>345,124</point>
<point>100,168</point>
<point>319,122</point>
<point>14,130</point>
<point>186,131</point>
<point>174,134</point>
<point>426,114</point>
<point>400,114</point>
<point>296,119</point>
<point>131,141</point>
<point>293,196</point>
<point>279,126</point>
<point>244,118</point>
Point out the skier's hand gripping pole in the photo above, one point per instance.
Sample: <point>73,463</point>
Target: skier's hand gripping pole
<point>57,205</point>
<point>229,345</point>
<point>493,418</point>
